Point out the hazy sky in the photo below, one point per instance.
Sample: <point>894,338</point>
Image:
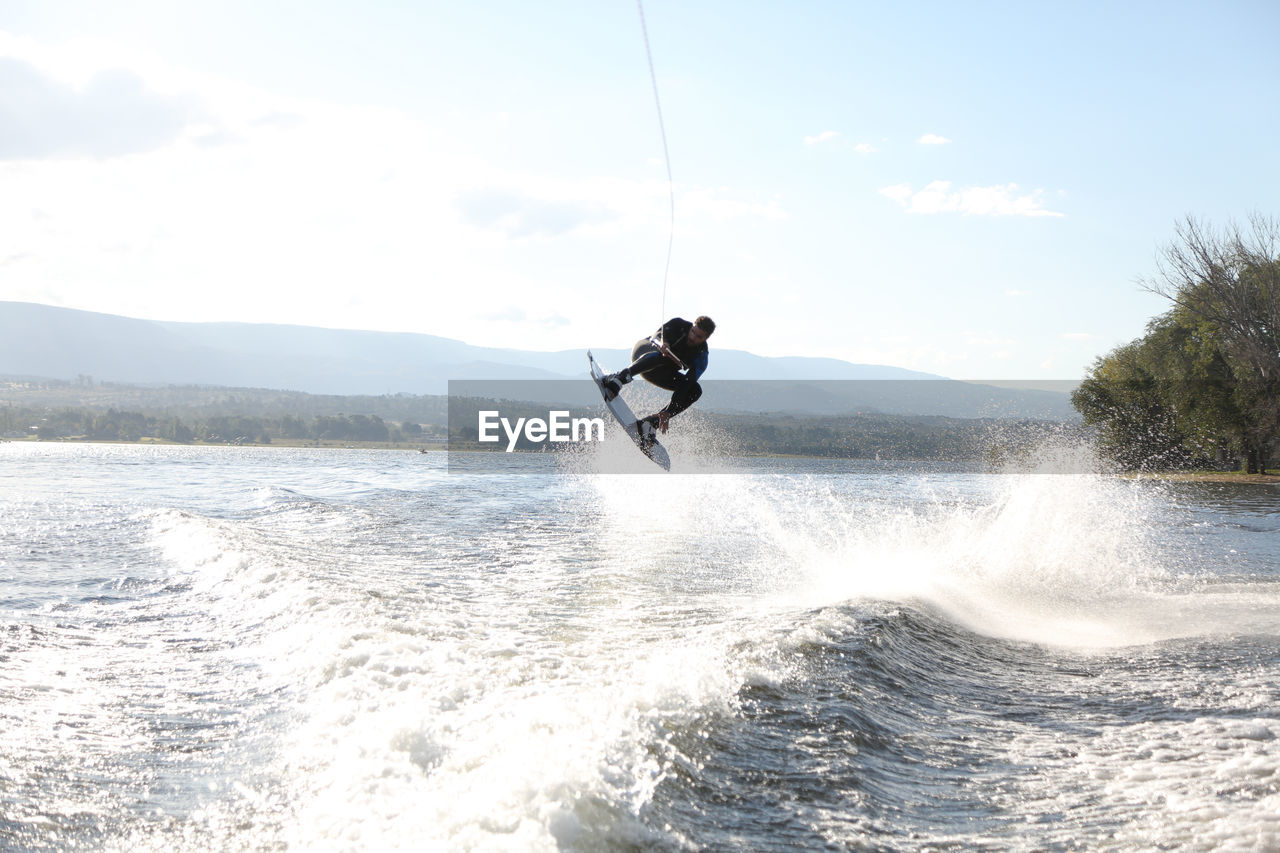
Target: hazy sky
<point>966,188</point>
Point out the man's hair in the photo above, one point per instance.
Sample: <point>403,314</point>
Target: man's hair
<point>706,324</point>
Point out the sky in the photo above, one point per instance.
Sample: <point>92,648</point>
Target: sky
<point>971,189</point>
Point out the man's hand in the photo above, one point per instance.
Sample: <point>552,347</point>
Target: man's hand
<point>663,421</point>
<point>665,350</point>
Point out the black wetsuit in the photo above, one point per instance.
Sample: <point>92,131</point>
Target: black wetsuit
<point>649,362</point>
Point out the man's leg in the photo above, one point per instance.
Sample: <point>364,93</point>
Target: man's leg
<point>647,361</point>
<point>685,396</point>
<point>687,393</point>
<point>646,358</point>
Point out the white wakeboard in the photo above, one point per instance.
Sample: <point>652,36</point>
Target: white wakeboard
<point>623,415</point>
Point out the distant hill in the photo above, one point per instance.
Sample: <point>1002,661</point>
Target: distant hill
<point>42,341</point>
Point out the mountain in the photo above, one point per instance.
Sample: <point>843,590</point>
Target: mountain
<point>43,341</point>
<point>62,343</point>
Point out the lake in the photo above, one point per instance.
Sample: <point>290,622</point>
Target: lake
<point>261,649</point>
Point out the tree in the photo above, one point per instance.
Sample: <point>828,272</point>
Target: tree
<point>1125,398</point>
<point>175,430</point>
<point>1205,379</point>
<point>1230,280</point>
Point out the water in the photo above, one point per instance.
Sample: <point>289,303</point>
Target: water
<point>265,649</point>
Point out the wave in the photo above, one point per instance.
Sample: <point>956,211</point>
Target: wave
<point>900,729</point>
<point>796,657</point>
<point>599,663</point>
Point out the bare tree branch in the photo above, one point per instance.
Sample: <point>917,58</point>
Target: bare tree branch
<point>1232,280</point>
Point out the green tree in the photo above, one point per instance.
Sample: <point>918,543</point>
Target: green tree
<point>176,430</point>
<point>1205,379</point>
<point>1230,280</point>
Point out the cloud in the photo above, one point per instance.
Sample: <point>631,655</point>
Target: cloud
<point>865,148</point>
<point>933,139</point>
<point>1077,336</point>
<point>113,114</point>
<point>279,119</point>
<point>990,342</point>
<point>1014,292</point>
<point>520,216</point>
<point>825,136</point>
<point>511,314</point>
<point>287,206</point>
<point>901,193</point>
<point>520,317</point>
<point>938,197</point>
<point>714,205</point>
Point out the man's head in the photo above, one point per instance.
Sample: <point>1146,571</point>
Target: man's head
<point>702,329</point>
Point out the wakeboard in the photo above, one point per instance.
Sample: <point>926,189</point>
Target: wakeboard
<point>623,415</point>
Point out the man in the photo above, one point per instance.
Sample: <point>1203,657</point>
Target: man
<point>678,346</point>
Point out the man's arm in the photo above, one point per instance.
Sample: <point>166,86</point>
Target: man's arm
<point>672,332</point>
<point>699,366</point>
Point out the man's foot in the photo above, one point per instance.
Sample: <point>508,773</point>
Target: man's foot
<point>659,421</point>
<point>613,383</point>
<point>648,433</point>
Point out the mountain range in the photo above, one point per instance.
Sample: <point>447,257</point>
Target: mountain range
<point>48,342</point>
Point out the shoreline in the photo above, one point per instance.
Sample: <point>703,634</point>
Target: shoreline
<point>1272,477</point>
<point>321,444</point>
